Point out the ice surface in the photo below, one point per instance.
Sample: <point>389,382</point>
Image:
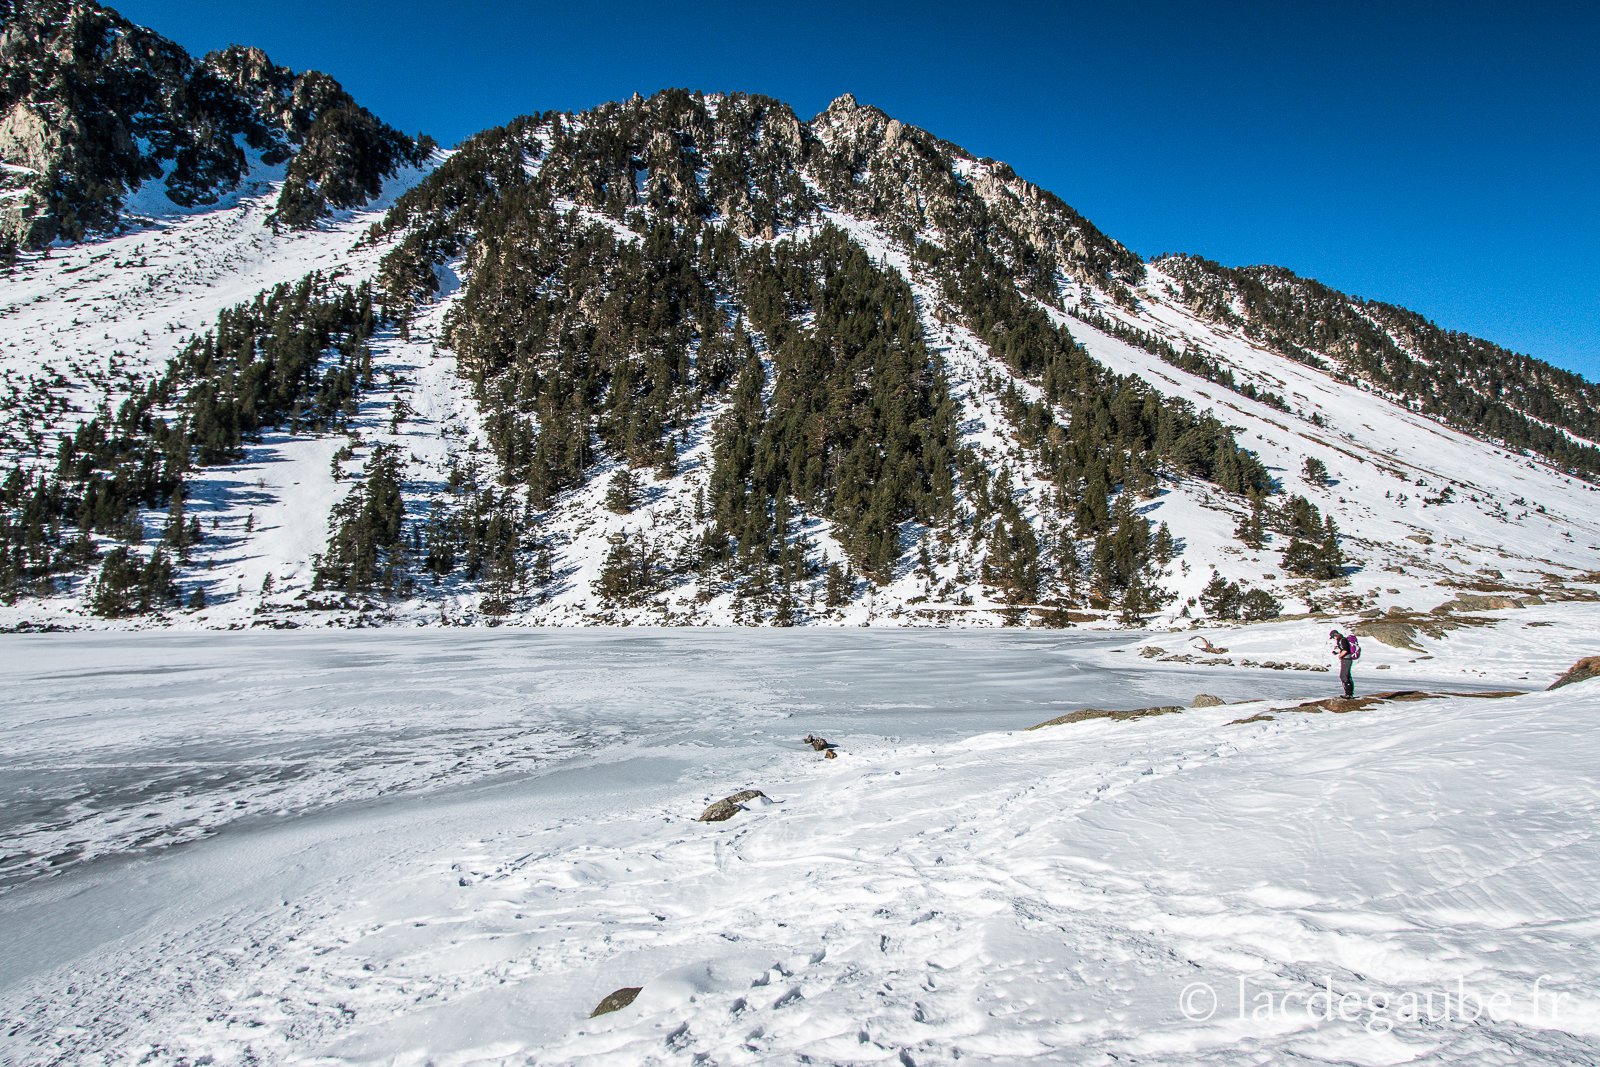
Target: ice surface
<point>446,846</point>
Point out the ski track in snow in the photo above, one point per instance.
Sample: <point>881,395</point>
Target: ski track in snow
<point>446,846</point>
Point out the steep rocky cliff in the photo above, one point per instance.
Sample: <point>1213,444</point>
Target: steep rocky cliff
<point>100,119</point>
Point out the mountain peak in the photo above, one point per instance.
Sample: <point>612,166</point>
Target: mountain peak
<point>94,109</point>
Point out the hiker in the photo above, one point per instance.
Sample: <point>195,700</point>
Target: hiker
<point>1346,650</point>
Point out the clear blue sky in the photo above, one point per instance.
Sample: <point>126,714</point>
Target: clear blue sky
<point>1441,156</point>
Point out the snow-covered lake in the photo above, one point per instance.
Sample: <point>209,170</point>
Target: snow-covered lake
<point>446,845</point>
<point>123,743</point>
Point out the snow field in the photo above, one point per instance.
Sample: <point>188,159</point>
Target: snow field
<point>446,846</point>
<point>142,294</point>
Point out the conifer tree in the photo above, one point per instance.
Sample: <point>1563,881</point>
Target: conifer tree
<point>1252,527</point>
<point>366,551</point>
<point>622,494</point>
<point>1258,605</point>
<point>1221,598</point>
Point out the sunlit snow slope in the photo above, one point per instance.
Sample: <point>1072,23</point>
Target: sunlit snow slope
<point>1425,511</point>
<point>446,847</point>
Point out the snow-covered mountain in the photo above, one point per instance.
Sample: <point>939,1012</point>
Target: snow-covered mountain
<point>103,122</point>
<point>691,359</point>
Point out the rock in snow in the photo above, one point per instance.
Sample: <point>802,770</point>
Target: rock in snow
<point>1581,671</point>
<point>1086,714</point>
<point>616,1001</point>
<point>729,806</point>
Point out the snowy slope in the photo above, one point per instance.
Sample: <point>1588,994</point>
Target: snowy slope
<point>1426,512</point>
<point>1508,513</point>
<point>80,326</point>
<point>446,847</point>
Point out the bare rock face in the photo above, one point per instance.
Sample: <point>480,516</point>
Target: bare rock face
<point>818,744</point>
<point>26,140</point>
<point>1206,700</point>
<point>616,1001</point>
<point>1581,671</point>
<point>93,107</point>
<point>27,144</point>
<point>729,806</point>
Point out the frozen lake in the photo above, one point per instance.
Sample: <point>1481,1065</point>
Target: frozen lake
<point>177,810</point>
<point>124,743</point>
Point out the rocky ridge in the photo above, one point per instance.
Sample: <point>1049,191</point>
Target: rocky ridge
<point>102,120</point>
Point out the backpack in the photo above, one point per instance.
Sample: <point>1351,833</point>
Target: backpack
<point>1355,646</point>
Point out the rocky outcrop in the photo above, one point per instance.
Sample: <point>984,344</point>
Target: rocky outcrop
<point>27,144</point>
<point>1087,714</point>
<point>1394,634</point>
<point>1344,705</point>
<point>729,806</point>
<point>1401,629</point>
<point>1206,700</point>
<point>1479,602</point>
<point>26,139</point>
<point>879,166</point>
<point>1581,671</point>
<point>94,108</point>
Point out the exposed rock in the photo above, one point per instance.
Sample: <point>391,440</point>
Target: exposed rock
<point>729,806</point>
<point>1581,671</point>
<point>818,744</point>
<point>875,164</point>
<point>1400,629</point>
<point>1206,700</point>
<point>1343,705</point>
<point>1097,713</point>
<point>830,754</point>
<point>96,107</point>
<point>26,139</point>
<point>616,1001</point>
<point>1277,665</point>
<point>1477,602</point>
<point>1393,634</point>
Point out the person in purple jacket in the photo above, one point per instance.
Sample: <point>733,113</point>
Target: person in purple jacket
<point>1339,645</point>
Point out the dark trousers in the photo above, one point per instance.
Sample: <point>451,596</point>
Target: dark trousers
<point>1345,679</point>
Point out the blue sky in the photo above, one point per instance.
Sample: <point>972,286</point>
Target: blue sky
<point>1441,156</point>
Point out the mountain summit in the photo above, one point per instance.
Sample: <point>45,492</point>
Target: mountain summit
<point>101,119</point>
